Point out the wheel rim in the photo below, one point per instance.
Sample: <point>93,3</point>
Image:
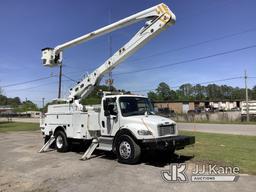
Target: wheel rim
<point>59,142</point>
<point>125,149</point>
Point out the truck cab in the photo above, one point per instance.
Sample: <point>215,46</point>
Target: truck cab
<point>135,113</point>
<point>132,123</point>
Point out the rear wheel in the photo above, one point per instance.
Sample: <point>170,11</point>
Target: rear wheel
<point>128,151</point>
<point>61,142</point>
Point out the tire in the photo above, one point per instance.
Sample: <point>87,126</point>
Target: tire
<point>61,142</point>
<point>128,151</point>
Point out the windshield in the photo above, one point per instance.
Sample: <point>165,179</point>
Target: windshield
<point>135,106</point>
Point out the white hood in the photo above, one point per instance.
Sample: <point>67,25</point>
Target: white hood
<point>149,122</point>
<point>150,119</point>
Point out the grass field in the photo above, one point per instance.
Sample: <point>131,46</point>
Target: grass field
<point>17,126</point>
<point>223,149</point>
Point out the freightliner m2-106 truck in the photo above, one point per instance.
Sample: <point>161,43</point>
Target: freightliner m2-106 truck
<point>123,123</point>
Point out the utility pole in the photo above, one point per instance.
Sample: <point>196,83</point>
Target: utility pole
<point>246,97</point>
<point>43,102</point>
<point>60,76</point>
<point>43,105</point>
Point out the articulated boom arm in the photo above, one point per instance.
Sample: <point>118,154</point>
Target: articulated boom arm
<point>157,19</point>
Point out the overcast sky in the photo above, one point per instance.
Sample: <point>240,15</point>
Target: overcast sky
<point>27,26</point>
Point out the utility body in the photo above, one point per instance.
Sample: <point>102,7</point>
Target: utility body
<point>123,123</point>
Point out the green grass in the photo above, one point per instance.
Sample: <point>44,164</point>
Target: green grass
<point>223,149</point>
<point>18,126</point>
<point>220,122</point>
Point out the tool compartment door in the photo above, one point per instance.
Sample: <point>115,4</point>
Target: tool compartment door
<point>79,125</point>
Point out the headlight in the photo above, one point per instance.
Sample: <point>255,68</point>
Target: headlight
<point>144,132</point>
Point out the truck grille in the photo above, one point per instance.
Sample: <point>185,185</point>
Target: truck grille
<point>166,129</point>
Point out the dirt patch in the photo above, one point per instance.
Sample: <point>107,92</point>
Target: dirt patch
<point>22,168</point>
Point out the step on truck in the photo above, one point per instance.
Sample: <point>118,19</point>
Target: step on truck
<point>123,123</point>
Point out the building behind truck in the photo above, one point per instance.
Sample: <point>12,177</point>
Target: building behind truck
<point>251,110</point>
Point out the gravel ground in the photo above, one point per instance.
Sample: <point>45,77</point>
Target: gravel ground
<point>23,169</point>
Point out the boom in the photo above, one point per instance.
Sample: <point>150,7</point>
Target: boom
<point>157,18</point>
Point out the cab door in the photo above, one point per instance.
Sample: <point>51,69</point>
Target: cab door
<point>109,120</point>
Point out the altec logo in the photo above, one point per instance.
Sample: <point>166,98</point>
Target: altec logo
<point>201,173</point>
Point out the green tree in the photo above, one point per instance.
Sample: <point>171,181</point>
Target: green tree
<point>254,92</point>
<point>95,97</point>
<point>153,96</point>
<point>165,93</point>
<point>27,106</point>
<point>199,92</point>
<point>185,92</point>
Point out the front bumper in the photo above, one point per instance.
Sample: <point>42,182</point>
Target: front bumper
<point>177,142</point>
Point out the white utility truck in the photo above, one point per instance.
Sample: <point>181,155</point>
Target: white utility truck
<point>124,124</point>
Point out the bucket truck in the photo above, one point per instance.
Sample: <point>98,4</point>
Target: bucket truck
<point>124,123</point>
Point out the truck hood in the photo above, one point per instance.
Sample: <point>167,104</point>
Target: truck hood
<point>150,119</point>
<point>146,122</point>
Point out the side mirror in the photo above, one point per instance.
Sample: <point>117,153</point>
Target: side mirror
<point>106,113</point>
<point>105,105</point>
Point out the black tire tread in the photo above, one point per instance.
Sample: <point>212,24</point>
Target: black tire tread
<point>136,148</point>
<point>65,147</point>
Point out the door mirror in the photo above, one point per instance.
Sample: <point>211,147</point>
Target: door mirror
<point>106,113</point>
<point>105,105</point>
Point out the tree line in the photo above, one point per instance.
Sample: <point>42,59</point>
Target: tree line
<point>189,92</point>
<point>186,92</point>
<point>17,104</point>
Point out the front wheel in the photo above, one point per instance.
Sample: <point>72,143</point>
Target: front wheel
<point>128,151</point>
<point>61,142</point>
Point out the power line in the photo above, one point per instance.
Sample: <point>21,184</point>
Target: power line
<point>194,44</point>
<point>214,81</point>
<point>201,83</point>
<point>69,78</point>
<point>30,81</point>
<point>34,87</point>
<point>147,69</point>
<point>185,47</point>
<point>189,60</point>
<point>164,52</point>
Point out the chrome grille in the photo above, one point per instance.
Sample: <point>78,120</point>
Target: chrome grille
<point>166,129</point>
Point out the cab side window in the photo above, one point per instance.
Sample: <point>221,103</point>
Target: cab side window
<point>111,105</point>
